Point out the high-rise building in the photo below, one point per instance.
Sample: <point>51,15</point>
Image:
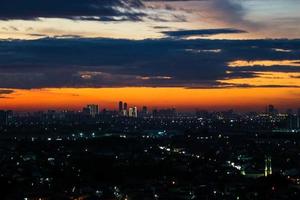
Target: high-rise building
<point>130,112</point>
<point>133,112</point>
<point>5,117</point>
<point>271,110</point>
<point>144,111</point>
<point>120,106</point>
<point>91,109</point>
<point>124,113</point>
<point>298,118</point>
<point>125,106</point>
<point>268,165</point>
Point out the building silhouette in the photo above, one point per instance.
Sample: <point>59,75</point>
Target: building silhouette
<point>120,106</point>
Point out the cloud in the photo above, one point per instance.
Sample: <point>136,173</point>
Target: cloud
<point>105,10</point>
<point>79,62</point>
<point>4,92</point>
<point>201,32</point>
<point>230,12</point>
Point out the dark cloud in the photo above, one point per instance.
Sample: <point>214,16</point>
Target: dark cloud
<point>201,32</point>
<point>78,62</point>
<point>229,11</point>
<point>105,10</point>
<point>4,92</point>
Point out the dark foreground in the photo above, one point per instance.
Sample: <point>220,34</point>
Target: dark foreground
<point>135,167</point>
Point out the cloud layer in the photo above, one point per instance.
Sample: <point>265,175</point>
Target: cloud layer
<point>105,10</point>
<point>78,62</point>
<point>201,32</point>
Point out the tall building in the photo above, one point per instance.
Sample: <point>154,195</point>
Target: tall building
<point>298,118</point>
<point>133,112</point>
<point>5,117</point>
<point>91,109</point>
<point>144,111</point>
<point>293,122</point>
<point>120,106</point>
<point>125,106</point>
<point>271,110</point>
<point>268,165</point>
<point>130,112</point>
<point>124,113</point>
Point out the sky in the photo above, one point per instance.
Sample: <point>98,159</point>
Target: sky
<point>207,54</point>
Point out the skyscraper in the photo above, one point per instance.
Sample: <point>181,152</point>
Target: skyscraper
<point>268,165</point>
<point>144,111</point>
<point>130,112</point>
<point>93,109</point>
<point>5,117</point>
<point>133,112</point>
<point>120,106</point>
<point>125,106</point>
<point>271,110</point>
<point>298,118</point>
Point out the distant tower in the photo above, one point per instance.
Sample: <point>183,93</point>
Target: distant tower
<point>130,112</point>
<point>133,112</point>
<point>144,111</point>
<point>298,122</point>
<point>271,109</point>
<point>93,109</point>
<point>268,165</point>
<point>5,117</point>
<point>125,106</point>
<point>120,106</point>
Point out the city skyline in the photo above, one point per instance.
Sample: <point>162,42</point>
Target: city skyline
<point>128,109</point>
<point>190,99</point>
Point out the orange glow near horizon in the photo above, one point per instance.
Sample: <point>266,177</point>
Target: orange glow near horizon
<point>266,63</point>
<point>267,79</point>
<point>181,98</point>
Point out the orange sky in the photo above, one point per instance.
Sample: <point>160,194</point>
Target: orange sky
<point>183,99</point>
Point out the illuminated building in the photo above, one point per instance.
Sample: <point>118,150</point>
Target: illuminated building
<point>124,113</point>
<point>5,117</point>
<point>123,109</point>
<point>268,165</point>
<point>133,112</point>
<point>91,109</point>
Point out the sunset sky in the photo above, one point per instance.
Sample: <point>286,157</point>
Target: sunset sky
<point>207,54</point>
